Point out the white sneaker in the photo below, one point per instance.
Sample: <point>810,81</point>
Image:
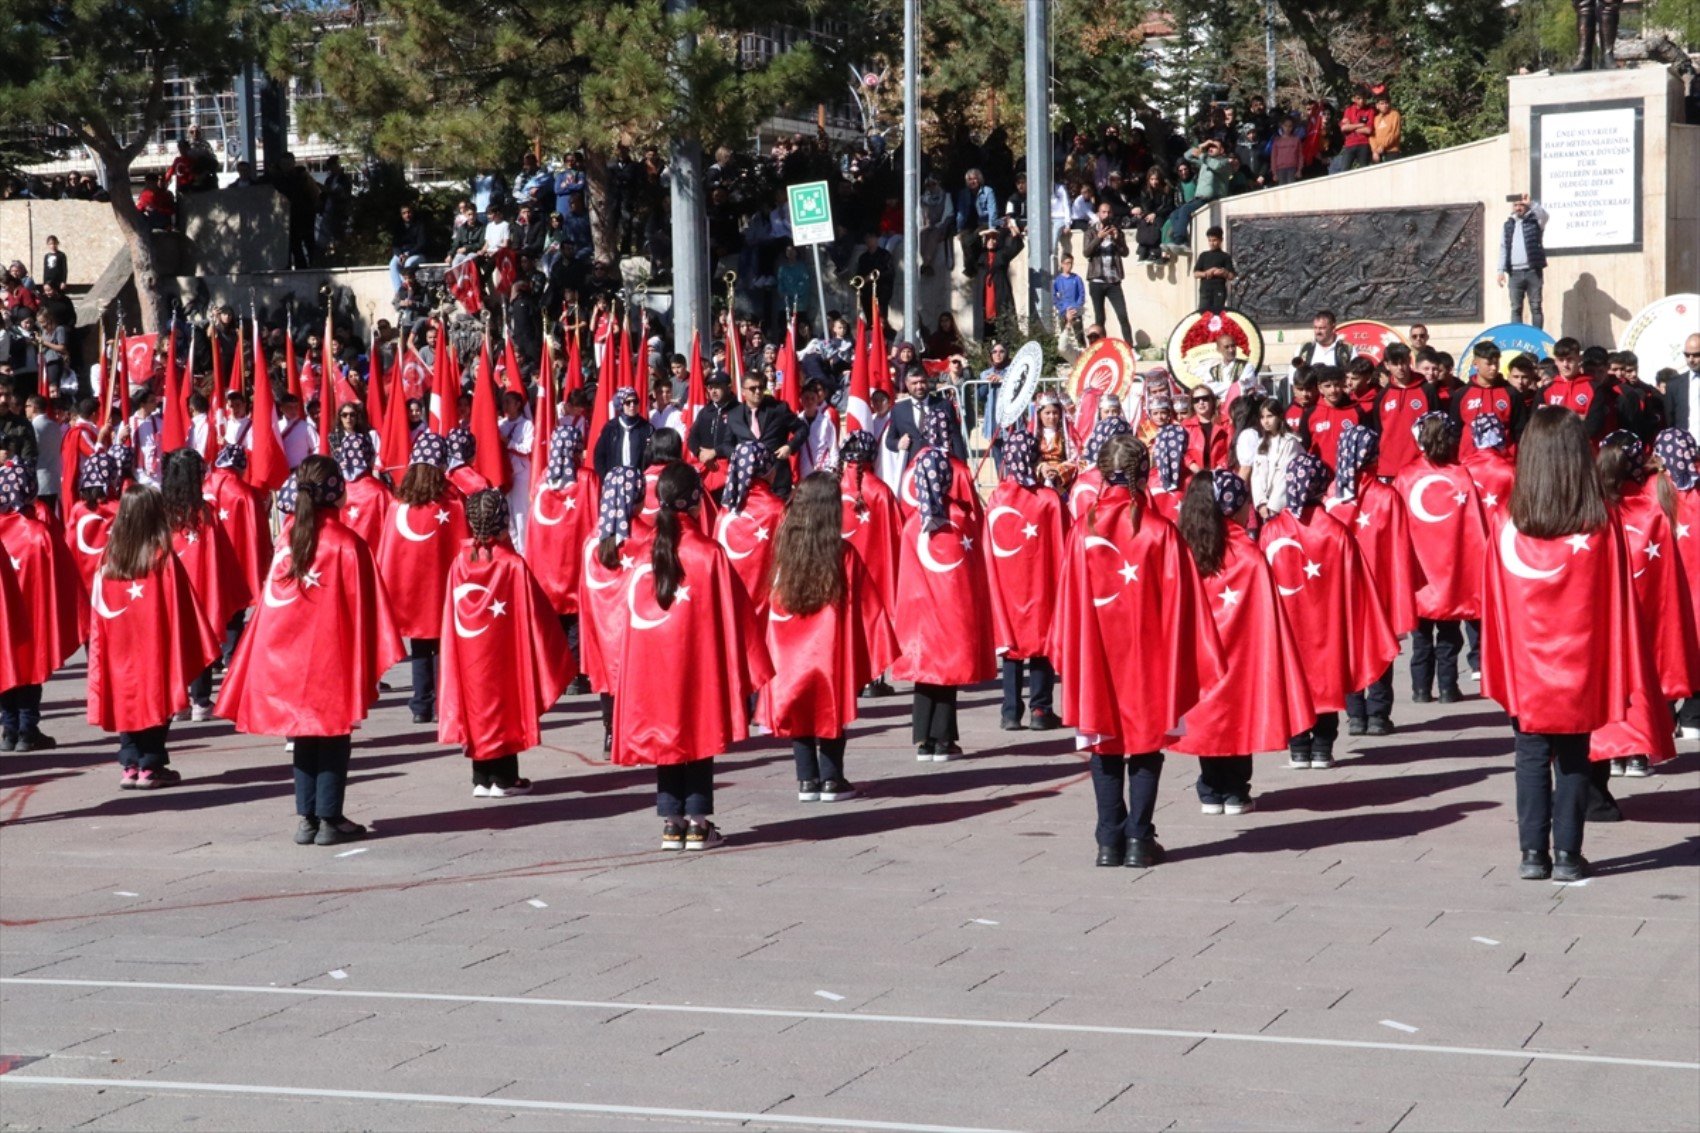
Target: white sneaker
<point>518,787</point>
<point>1297,763</point>
<point>947,756</point>
<point>1214,808</point>
<point>1691,733</point>
<point>201,712</point>
<point>480,791</point>
<point>1476,675</point>
<point>1238,806</point>
<point>1637,767</point>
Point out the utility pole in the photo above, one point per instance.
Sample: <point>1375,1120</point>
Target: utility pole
<point>911,167</point>
<point>690,221</point>
<point>1269,54</point>
<point>1041,237</point>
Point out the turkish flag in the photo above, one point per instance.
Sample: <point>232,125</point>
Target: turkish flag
<point>873,524</point>
<point>138,358</point>
<point>504,269</point>
<point>708,641</point>
<point>86,530</point>
<point>1331,603</point>
<point>325,381</point>
<point>504,658</point>
<point>1688,538</point>
<point>1662,596</point>
<point>879,358</point>
<point>1377,519</point>
<point>1447,535</point>
<point>696,393</point>
<point>511,380</point>
<point>858,408</point>
<point>215,573</point>
<point>414,553</point>
<point>562,518</point>
<point>415,375</point>
<point>445,384</point>
<point>791,387</point>
<point>543,417</point>
<point>55,600</point>
<point>268,467</point>
<point>1130,579</point>
<point>1026,529</point>
<point>174,413</point>
<point>366,507</point>
<point>78,442</point>
<point>395,436</point>
<point>1494,473</point>
<point>575,364</point>
<point>747,536</point>
<point>245,515</point>
<point>943,611</point>
<point>1258,652</point>
<point>491,459</point>
<point>309,661</point>
<point>14,623</point>
<point>824,659</point>
<point>147,641</point>
<point>602,614</point>
<point>462,282</point>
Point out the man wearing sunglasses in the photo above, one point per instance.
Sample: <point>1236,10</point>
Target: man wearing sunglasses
<point>1682,393</point>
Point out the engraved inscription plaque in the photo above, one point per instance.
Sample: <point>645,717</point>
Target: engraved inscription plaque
<point>1386,264</point>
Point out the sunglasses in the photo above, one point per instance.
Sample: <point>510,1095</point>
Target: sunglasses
<point>1201,400</point>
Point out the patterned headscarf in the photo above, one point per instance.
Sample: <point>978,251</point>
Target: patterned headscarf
<point>17,485</point>
<point>324,494</point>
<point>1634,452</point>
<point>1102,431</point>
<point>98,473</point>
<point>430,448</point>
<point>566,445</point>
<point>1231,491</point>
<point>1678,451</point>
<point>1359,449</point>
<point>126,458</point>
<point>622,491</point>
<point>354,455</point>
<point>1168,449</point>
<point>749,460</point>
<point>461,445</point>
<point>1446,419</point>
<point>1307,480</point>
<point>1021,457</point>
<point>936,429</point>
<point>623,395</point>
<point>1488,431</point>
<point>859,447</point>
<point>233,457</point>
<point>932,486</point>
<point>1136,475</point>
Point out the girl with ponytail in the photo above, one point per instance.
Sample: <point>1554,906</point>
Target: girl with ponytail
<point>208,558</point>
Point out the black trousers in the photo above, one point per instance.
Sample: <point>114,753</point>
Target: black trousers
<point>144,750</point>
<point>1688,715</point>
<point>20,710</point>
<point>1123,820</point>
<point>1376,700</point>
<point>817,758</point>
<point>685,790</point>
<point>1326,731</point>
<point>934,716</point>
<point>1552,790</point>
<point>1100,291</point>
<point>321,775</point>
<point>569,625</point>
<point>422,653</point>
<point>1473,639</point>
<point>1041,683</point>
<point>233,634</point>
<point>501,771</point>
<point>200,689</point>
<point>1434,655</point>
<point>1224,777</point>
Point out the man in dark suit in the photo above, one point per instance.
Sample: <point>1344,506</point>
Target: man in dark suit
<point>763,417</point>
<point>910,413</point>
<point>1682,393</point>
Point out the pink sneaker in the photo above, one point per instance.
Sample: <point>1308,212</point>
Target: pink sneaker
<point>128,781</point>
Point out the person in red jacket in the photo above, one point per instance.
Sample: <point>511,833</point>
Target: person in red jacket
<point>1577,391</point>
<point>1487,395</point>
<point>1210,438</point>
<point>1023,564</point>
<point>1406,398</point>
<point>148,639</point>
<point>1330,416</point>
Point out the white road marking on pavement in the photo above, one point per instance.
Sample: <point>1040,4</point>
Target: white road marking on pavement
<point>124,893</point>
<point>1483,940</point>
<point>1398,1026</point>
<point>848,1017</point>
<point>351,853</point>
<point>339,974</point>
<point>536,904</point>
<point>983,920</point>
<point>148,1085</point>
<point>831,996</point>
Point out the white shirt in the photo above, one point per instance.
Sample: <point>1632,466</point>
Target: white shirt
<point>198,432</point>
<point>144,433</point>
<point>1269,472</point>
<point>495,235</point>
<point>297,438</point>
<point>517,437</point>
<point>1245,447</point>
<point>820,442</point>
<point>668,416</point>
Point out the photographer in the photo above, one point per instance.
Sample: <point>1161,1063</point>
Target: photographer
<point>1214,170</point>
<point>1106,248</point>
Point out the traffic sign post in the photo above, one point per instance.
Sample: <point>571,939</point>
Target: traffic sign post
<point>811,224</point>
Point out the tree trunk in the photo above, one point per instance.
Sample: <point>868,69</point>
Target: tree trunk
<point>139,238</point>
<point>604,216</point>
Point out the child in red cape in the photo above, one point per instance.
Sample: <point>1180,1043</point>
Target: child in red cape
<point>91,514</point>
<point>749,521</point>
<point>367,499</point>
<point>1678,457</point>
<point>1023,569</point>
<point>505,660</point>
<point>563,518</point>
<point>207,556</point>
<point>873,524</point>
<point>49,629</point>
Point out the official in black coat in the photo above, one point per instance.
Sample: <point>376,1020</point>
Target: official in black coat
<point>763,417</point>
<point>910,413</point>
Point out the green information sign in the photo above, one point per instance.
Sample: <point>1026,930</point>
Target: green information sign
<point>811,213</point>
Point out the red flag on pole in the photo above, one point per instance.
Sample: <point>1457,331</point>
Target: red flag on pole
<point>788,366</point>
<point>543,419</point>
<point>237,379</point>
<point>268,468</point>
<point>575,363</point>
<point>491,459</point>
<point>174,422</point>
<point>395,441</point>
<point>879,373</point>
<point>607,378</point>
<point>445,384</point>
<point>375,387</point>
<point>511,382</point>
<point>696,395</point>
<point>122,363</point>
<point>734,349</point>
<point>327,391</point>
<point>293,372</point>
<point>858,406</point>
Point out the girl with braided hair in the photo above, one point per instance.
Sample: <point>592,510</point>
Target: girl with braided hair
<point>1026,529</point>
<point>505,659</point>
<point>208,558</point>
<point>308,667</point>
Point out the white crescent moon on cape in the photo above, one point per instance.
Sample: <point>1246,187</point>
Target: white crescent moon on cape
<point>591,566</point>
<point>926,552</point>
<point>992,531</point>
<point>1083,497</point>
<point>98,595</point>
<point>1514,562</point>
<point>720,536</point>
<point>460,592</point>
<point>906,485</point>
<point>1417,507</point>
<point>1269,553</point>
<point>1100,541</point>
<point>849,533</point>
<point>267,594</point>
<point>82,542</point>
<point>537,510</point>
<point>405,529</point>
<point>1638,531</point>
<point>639,622</point>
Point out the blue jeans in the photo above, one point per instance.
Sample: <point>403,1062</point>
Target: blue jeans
<point>144,750</point>
<point>685,790</point>
<point>20,710</point>
<point>1041,680</point>
<point>321,775</point>
<point>1121,822</point>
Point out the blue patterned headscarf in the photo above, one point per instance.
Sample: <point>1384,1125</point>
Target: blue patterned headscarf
<point>1102,431</point>
<point>1231,491</point>
<point>17,485</point>
<point>1307,480</point>
<point>354,455</point>
<point>1446,419</point>
<point>622,491</point>
<point>1678,450</point>
<point>566,446</point>
<point>1634,451</point>
<point>98,474</point>
<point>936,429</point>
<point>1488,431</point>
<point>233,457</point>
<point>324,494</point>
<point>749,460</point>
<point>1169,452</point>
<point>859,448</point>
<point>1359,449</point>
<point>430,448</point>
<point>1021,457</point>
<point>461,445</point>
<point>932,473</point>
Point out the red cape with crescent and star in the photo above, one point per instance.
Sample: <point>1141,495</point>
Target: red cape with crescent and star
<point>148,639</point>
<point>1026,529</point>
<point>1085,491</point>
<point>943,613</point>
<point>1263,698</point>
<point>747,537</point>
<point>875,530</point>
<point>14,623</point>
<point>504,659</point>
<point>1494,473</point>
<point>1662,598</point>
<point>309,662</point>
<point>55,600</point>
<point>1448,533</point>
<point>1133,641</point>
<point>686,673</point>
<point>602,615</point>
<point>1332,605</point>
<point>414,554</point>
<point>365,508</point>
<point>562,518</point>
<point>215,575</point>
<point>245,515</point>
<point>1377,519</point>
<point>86,531</point>
<point>822,660</point>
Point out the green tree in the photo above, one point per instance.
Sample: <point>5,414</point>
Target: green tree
<point>470,86</point>
<point>99,67</point>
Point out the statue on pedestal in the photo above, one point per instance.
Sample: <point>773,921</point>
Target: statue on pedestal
<point>1596,31</point>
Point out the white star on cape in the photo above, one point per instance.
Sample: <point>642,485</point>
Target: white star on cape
<point>1578,543</point>
<point>1129,573</point>
<point>442,516</point>
<point>1230,597</point>
<point>135,590</point>
<point>1313,570</point>
<point>498,609</point>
